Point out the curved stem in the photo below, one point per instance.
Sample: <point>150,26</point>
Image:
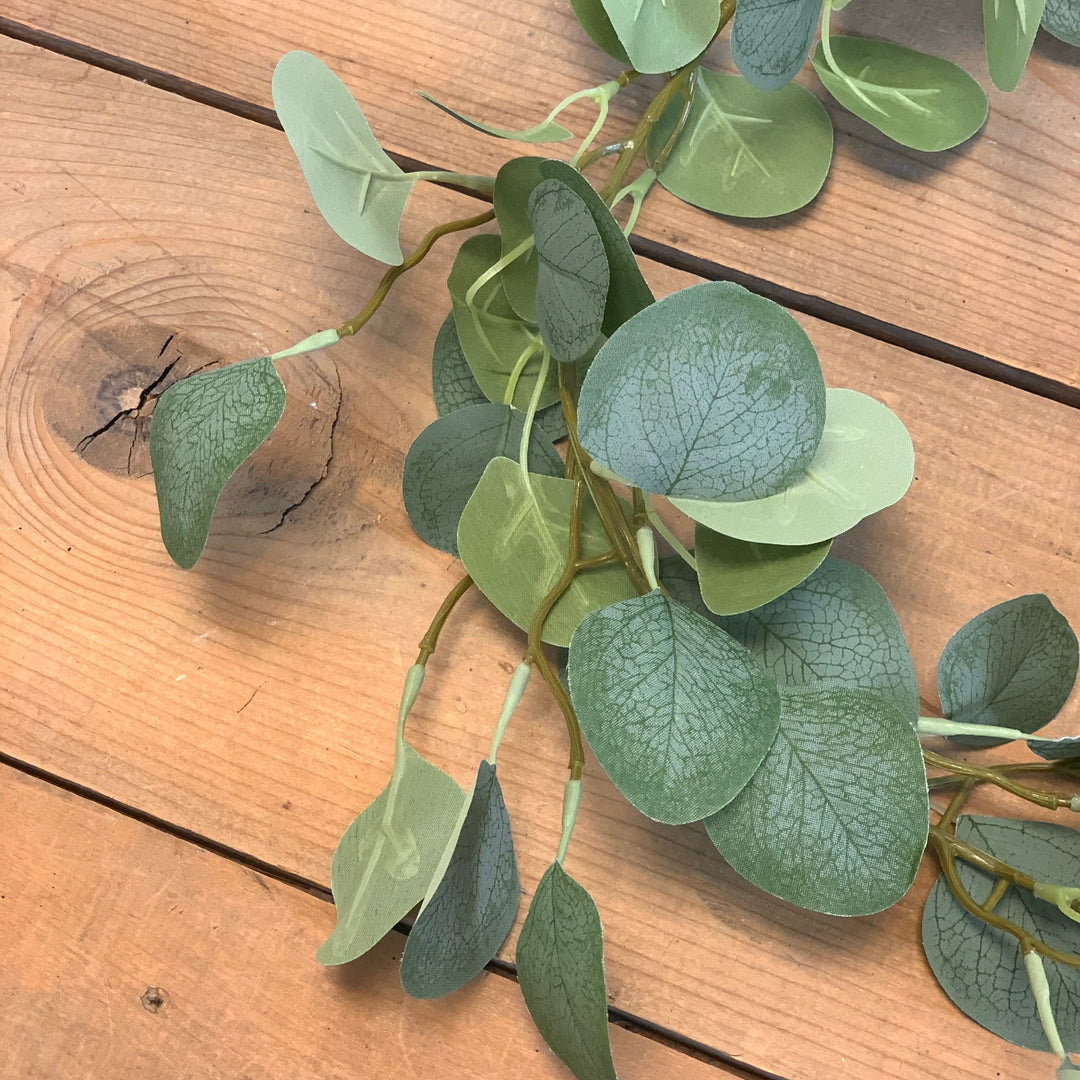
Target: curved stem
<point>1051,800</point>
<point>431,638</point>
<point>498,267</point>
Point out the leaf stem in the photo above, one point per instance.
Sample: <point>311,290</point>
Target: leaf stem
<point>933,725</point>
<point>571,802</point>
<point>514,693</point>
<point>498,266</point>
<point>530,415</point>
<point>1051,800</point>
<point>431,638</point>
<point>1040,988</point>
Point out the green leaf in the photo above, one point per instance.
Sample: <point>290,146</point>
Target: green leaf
<point>744,151</point>
<point>1012,666</point>
<point>737,575</point>
<point>681,582</point>
<point>836,627</point>
<point>572,273</point>
<point>1010,27</point>
<point>514,537</point>
<point>202,429</point>
<point>1062,19</point>
<point>595,22</point>
<point>495,340</point>
<point>674,710</point>
<point>359,191</point>
<point>661,35</point>
<point>514,183</point>
<point>982,969</point>
<point>448,457</point>
<point>919,100</point>
<point>711,393</point>
<point>835,820</point>
<point>770,39</point>
<point>383,865</point>
<point>1056,749</point>
<point>560,967</point>
<point>546,132</point>
<point>865,462</point>
<point>467,918</point>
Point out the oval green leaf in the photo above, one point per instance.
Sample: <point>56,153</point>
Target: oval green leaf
<point>1062,19</point>
<point>1010,27</point>
<point>514,183</point>
<point>662,35</point>
<point>202,429</point>
<point>595,22</point>
<point>546,132</point>
<point>770,39</point>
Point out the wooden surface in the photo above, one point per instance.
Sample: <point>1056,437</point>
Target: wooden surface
<point>251,700</point>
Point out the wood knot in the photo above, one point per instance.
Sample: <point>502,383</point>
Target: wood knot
<point>154,999</point>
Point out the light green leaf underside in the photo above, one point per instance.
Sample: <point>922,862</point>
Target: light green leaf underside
<point>1010,27</point>
<point>1062,19</point>
<point>595,22</point>
<point>514,538</point>
<point>770,39</point>
<point>560,967</point>
<point>447,459</point>
<point>463,924</point>
<point>514,183</point>
<point>1056,749</point>
<point>744,151</point>
<point>674,710</point>
<point>661,35</point>
<point>357,188</point>
<point>737,575</point>
<point>919,100</point>
<point>202,429</point>
<point>980,968</point>
<point>836,627</point>
<point>546,132</point>
<point>384,863</point>
<point>865,462</point>
<point>1013,666</point>
<point>710,393</point>
<point>835,820</point>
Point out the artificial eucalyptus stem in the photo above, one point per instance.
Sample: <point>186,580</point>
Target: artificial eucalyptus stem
<point>1051,800</point>
<point>431,638</point>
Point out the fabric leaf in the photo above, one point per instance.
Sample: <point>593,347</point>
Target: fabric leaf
<point>770,39</point>
<point>1010,27</point>
<point>661,35</point>
<point>546,132</point>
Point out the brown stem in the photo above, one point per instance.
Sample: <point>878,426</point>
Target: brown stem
<point>431,638</point>
<point>1051,800</point>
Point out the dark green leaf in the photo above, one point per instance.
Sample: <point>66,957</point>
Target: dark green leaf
<point>661,35</point>
<point>1062,19</point>
<point>595,23</point>
<point>514,183</point>
<point>770,39</point>
<point>1056,749</point>
<point>546,132</point>
<point>1010,27</point>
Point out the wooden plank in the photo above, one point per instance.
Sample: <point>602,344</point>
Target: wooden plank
<point>252,699</point>
<point>129,953</point>
<point>976,247</point>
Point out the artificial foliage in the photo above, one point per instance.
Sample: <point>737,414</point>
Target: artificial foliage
<point>753,683</point>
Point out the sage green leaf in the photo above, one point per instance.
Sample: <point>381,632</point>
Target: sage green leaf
<point>744,151</point>
<point>836,627</point>
<point>737,575</point>
<point>514,538</point>
<point>681,582</point>
<point>919,100</point>
<point>1012,666</point>
<point>572,273</point>
<point>384,863</point>
<point>1010,27</point>
<point>836,818</point>
<point>595,22</point>
<point>202,429</point>
<point>662,35</point>
<point>560,967</point>
<point>546,132</point>
<point>675,711</point>
<point>1062,19</point>
<point>514,183</point>
<point>982,969</point>
<point>447,459</point>
<point>864,462</point>
<point>359,191</point>
<point>461,926</point>
<point>770,39</point>
<point>711,393</point>
<point>1056,749</point>
<point>496,342</point>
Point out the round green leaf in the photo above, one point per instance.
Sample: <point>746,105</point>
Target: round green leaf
<point>514,183</point>
<point>448,457</point>
<point>1062,19</point>
<point>919,100</point>
<point>744,151</point>
<point>835,820</point>
<point>674,710</point>
<point>711,393</point>
<point>546,132</point>
<point>595,22</point>
<point>770,39</point>
<point>1010,27</point>
<point>865,462</point>
<point>661,35</point>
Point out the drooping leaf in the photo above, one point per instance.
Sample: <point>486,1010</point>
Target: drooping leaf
<point>770,39</point>
<point>737,575</point>
<point>514,183</point>
<point>982,969</point>
<point>546,132</point>
<point>572,272</point>
<point>1012,666</point>
<point>359,191</point>
<point>1010,27</point>
<point>202,429</point>
<point>661,35</point>
<point>836,627</point>
<point>384,862</point>
<point>467,918</point>
<point>675,711</point>
<point>1056,749</point>
<point>447,459</point>
<point>835,820</point>
<point>1062,19</point>
<point>744,151</point>
<point>514,538</point>
<point>560,967</point>
<point>919,100</point>
<point>595,22</point>
<point>864,462</point>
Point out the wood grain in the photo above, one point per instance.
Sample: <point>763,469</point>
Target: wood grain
<point>978,247</point>
<point>252,699</point>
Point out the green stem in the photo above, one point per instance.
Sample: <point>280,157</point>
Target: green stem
<point>646,543</point>
<point>1040,987</point>
<point>514,692</point>
<point>321,340</point>
<point>530,350</point>
<point>431,638</point>
<point>676,544</point>
<point>933,725</point>
<point>498,267</point>
<point>637,192</point>
<point>530,415</point>
<point>571,802</point>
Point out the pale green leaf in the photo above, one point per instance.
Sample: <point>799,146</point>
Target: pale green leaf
<point>202,429</point>
<point>675,711</point>
<point>546,132</point>
<point>359,191</point>
<point>1010,27</point>
<point>560,967</point>
<point>661,35</point>
<point>770,39</point>
<point>864,462</point>
<point>836,818</point>
<point>1062,19</point>
<point>514,183</point>
<point>595,22</point>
